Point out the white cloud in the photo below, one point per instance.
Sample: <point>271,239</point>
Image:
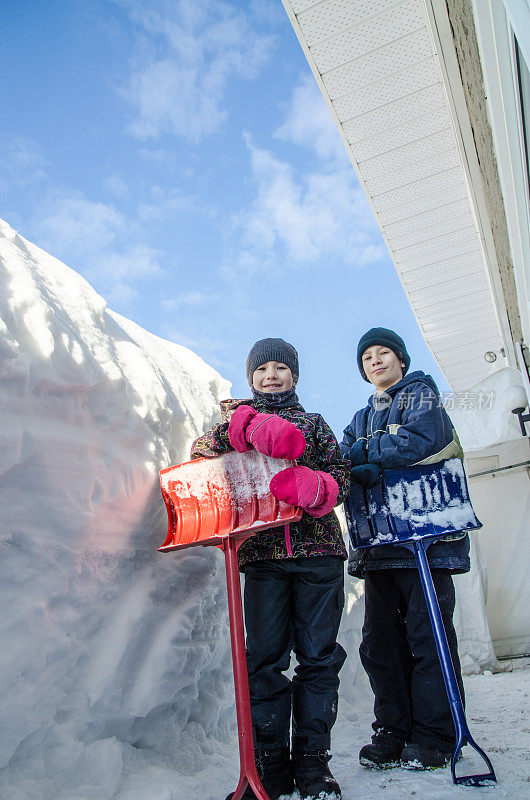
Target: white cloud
<point>25,154</point>
<point>190,300</point>
<point>76,225</point>
<point>321,216</point>
<point>98,241</point>
<point>309,124</point>
<point>169,203</point>
<point>138,261</point>
<point>185,58</point>
<point>115,185</point>
<point>121,295</point>
<point>21,161</point>
<point>214,349</point>
<point>157,156</point>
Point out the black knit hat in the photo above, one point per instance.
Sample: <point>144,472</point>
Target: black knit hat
<point>382,337</point>
<point>272,350</point>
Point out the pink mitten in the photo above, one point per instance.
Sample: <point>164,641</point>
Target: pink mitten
<point>237,427</point>
<point>267,433</point>
<point>315,492</point>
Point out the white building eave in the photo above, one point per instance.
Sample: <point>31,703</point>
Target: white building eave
<point>390,77</point>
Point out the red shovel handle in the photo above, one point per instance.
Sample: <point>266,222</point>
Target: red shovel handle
<point>248,773</point>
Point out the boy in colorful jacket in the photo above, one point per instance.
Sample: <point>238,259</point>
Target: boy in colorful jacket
<point>294,576</point>
<point>403,424</point>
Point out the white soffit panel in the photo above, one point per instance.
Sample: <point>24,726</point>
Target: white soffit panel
<point>375,64</point>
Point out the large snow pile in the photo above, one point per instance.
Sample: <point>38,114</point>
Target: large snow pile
<point>108,647</point>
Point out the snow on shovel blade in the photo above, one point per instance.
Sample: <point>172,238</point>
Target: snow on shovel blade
<point>411,503</point>
<point>211,498</point>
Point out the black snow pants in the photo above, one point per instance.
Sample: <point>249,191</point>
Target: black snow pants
<point>399,654</point>
<point>294,605</point>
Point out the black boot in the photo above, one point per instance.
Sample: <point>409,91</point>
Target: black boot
<point>275,771</point>
<point>383,753</point>
<point>419,756</point>
<point>312,775</point>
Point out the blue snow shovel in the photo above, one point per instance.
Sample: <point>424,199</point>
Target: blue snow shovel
<point>414,507</point>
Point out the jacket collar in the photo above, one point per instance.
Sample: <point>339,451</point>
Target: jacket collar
<point>232,403</point>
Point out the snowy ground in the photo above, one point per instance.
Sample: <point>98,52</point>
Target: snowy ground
<point>498,719</point>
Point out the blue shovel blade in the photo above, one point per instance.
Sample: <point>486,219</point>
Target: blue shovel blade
<point>411,503</point>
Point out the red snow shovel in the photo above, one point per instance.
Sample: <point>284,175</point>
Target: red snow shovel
<point>222,501</point>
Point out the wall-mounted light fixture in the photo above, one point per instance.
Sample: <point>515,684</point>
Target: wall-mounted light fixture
<point>490,356</point>
<point>515,400</point>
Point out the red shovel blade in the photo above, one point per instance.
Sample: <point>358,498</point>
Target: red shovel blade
<point>211,498</point>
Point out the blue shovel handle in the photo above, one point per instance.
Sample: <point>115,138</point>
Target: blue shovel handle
<point>448,671</point>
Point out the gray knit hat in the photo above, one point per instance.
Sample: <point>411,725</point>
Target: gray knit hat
<point>272,350</point>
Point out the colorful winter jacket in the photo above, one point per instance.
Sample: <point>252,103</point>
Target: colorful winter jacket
<point>406,425</point>
<point>310,536</point>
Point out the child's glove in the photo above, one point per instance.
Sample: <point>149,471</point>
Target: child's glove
<point>356,454</point>
<point>315,492</point>
<point>366,475</point>
<point>267,433</point>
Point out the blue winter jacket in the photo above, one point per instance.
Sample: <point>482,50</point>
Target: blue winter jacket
<point>406,425</point>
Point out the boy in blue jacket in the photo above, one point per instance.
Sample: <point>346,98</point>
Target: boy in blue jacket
<point>404,423</point>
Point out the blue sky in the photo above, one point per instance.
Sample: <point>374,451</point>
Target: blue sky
<point>180,157</point>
